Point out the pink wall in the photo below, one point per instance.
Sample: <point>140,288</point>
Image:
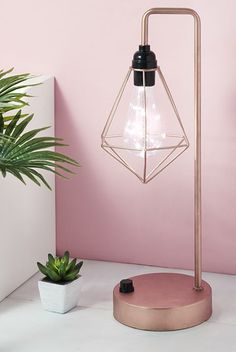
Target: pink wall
<point>104,212</point>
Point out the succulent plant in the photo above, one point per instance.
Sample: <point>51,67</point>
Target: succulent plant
<point>60,269</point>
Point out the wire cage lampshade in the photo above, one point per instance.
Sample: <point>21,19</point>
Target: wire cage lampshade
<point>144,131</point>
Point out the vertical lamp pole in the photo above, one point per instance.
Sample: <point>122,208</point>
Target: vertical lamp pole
<point>197,123</point>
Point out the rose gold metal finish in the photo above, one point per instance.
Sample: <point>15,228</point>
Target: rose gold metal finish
<point>145,131</point>
<point>163,301</point>
<point>197,136</point>
<point>168,301</point>
<point>115,105</point>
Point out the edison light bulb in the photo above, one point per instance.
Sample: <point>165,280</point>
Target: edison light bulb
<point>137,126</point>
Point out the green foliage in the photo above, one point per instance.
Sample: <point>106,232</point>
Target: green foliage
<point>60,269</point>
<point>24,153</point>
<point>12,92</point>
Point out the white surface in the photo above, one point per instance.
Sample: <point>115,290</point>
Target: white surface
<point>27,212</point>
<point>59,298</point>
<point>26,327</point>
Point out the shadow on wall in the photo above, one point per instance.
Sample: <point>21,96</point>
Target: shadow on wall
<point>80,201</point>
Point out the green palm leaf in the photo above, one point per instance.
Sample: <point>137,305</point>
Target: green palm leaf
<point>24,154</point>
<point>12,97</point>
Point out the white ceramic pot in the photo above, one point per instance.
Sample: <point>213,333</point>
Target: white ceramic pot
<point>59,298</point>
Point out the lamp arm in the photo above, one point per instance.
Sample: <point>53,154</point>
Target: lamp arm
<point>197,125</point>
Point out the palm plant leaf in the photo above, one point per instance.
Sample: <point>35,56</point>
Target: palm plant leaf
<point>12,95</point>
<point>23,154</point>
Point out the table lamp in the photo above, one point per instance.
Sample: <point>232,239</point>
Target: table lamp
<point>144,133</point>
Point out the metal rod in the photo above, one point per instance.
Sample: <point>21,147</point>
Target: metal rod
<point>172,103</point>
<point>121,161</point>
<point>115,105</point>
<point>141,149</point>
<point>145,130</point>
<point>197,124</point>
<point>164,167</point>
<point>165,158</point>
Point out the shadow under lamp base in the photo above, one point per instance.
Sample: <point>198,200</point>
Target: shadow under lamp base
<point>162,302</point>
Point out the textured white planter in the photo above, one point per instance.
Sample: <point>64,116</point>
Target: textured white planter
<point>59,298</point>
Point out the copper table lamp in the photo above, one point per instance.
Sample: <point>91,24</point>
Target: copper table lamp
<point>144,132</point>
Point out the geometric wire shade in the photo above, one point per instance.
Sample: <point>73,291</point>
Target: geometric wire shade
<point>144,131</point>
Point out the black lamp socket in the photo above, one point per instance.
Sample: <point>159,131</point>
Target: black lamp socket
<point>144,58</point>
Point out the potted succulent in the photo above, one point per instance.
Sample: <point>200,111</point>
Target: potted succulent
<point>59,290</point>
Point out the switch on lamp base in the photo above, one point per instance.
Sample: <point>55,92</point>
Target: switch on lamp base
<point>162,302</point>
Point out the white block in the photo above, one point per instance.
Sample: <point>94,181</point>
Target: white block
<point>27,213</point>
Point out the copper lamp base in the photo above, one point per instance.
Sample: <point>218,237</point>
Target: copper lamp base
<point>163,301</point>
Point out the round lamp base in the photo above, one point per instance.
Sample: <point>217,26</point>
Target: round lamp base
<point>163,301</point>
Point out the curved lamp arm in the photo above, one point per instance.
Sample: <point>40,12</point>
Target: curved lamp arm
<point>197,132</point>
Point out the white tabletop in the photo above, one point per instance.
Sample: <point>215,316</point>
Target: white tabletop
<point>90,327</point>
